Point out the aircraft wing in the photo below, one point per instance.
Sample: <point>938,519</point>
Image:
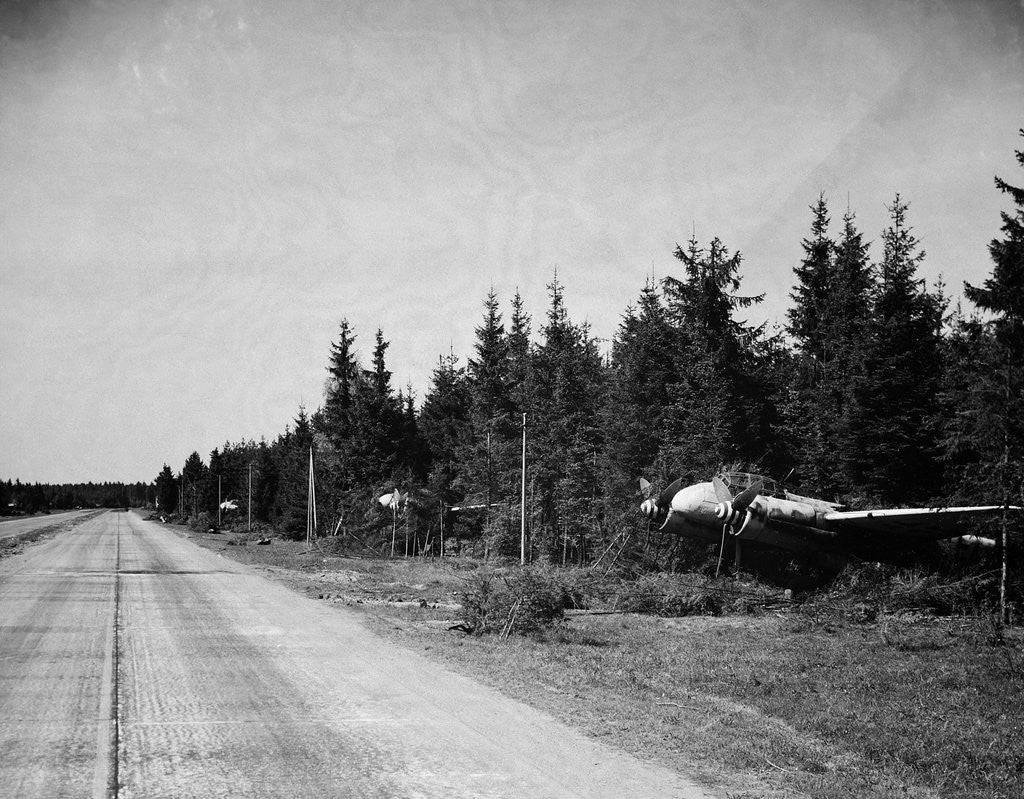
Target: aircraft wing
<point>913,524</point>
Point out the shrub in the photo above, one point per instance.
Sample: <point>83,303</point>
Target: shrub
<point>520,601</point>
<point>862,591</point>
<point>201,523</point>
<point>671,595</point>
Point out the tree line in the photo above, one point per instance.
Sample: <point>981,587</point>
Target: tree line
<point>19,498</point>
<point>875,391</point>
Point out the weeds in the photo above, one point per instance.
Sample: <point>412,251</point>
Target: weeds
<point>693,595</point>
<point>521,601</point>
<point>814,703</point>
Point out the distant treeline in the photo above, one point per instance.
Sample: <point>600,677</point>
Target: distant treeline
<point>875,391</point>
<point>18,498</point>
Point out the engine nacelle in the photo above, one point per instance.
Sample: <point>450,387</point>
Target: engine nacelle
<point>763,510</point>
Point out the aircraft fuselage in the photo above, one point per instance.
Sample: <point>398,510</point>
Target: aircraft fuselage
<point>696,512</point>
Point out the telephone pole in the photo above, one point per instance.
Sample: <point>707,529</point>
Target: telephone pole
<point>249,520</point>
<point>522,503</point>
<point>311,505</point>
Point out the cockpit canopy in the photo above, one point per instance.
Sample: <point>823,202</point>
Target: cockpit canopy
<point>737,481</point>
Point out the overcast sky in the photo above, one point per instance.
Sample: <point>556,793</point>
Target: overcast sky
<point>195,194</point>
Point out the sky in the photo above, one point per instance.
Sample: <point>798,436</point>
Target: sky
<point>193,195</point>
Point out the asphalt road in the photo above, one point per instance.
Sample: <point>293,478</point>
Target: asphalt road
<point>136,664</point>
<point>26,524</point>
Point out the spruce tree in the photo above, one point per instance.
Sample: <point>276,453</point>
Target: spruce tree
<point>809,327</point>
<point>445,426</point>
<point>520,351</point>
<point>489,370</point>
<point>210,494</point>
<point>166,491</point>
<point>266,479</point>
<point>490,450</point>
<point>565,429</point>
<point>194,475</point>
<point>984,434</point>
<point>807,316</point>
<point>720,397</point>
<point>341,386</point>
<point>376,424</point>
<point>828,323</point>
<point>293,475</point>
<point>891,454</point>
<point>643,368</point>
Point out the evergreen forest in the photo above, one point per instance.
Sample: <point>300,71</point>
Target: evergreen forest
<point>876,392</point>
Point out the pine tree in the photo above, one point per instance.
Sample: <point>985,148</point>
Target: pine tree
<point>376,422</point>
<point>488,371</point>
<point>892,451</point>
<point>413,455</point>
<point>807,316</point>
<point>166,490</point>
<point>210,494</point>
<point>848,308</point>
<point>266,475</point>
<point>809,327</point>
<point>566,434</point>
<point>293,475</point>
<point>341,387</point>
<point>643,368</point>
<point>984,441</point>
<point>720,408</point>
<point>828,324</point>
<point>520,350</point>
<point>445,426</point>
<point>194,475</point>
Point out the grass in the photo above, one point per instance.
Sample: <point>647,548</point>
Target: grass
<point>786,703</point>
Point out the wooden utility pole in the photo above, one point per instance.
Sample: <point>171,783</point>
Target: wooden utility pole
<point>522,503</point>
<point>394,522</point>
<point>1004,610</point>
<point>311,505</point>
<point>442,530</point>
<point>219,501</point>
<point>249,513</point>
<point>487,512</point>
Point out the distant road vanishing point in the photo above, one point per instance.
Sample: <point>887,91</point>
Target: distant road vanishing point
<point>27,524</point>
<point>136,664</point>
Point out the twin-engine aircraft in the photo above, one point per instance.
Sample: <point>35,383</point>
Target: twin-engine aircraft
<point>752,509</point>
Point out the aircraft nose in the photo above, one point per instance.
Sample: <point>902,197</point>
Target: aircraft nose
<point>696,503</point>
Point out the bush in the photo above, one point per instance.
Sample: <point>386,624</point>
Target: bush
<point>862,591</point>
<point>520,601</point>
<point>671,595</point>
<point>694,595</point>
<point>201,523</point>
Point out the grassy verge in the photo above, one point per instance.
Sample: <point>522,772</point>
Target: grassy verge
<point>787,703</point>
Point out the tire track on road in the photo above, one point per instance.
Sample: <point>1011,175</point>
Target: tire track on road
<point>105,777</point>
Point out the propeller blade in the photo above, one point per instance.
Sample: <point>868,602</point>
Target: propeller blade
<point>665,498</point>
<point>645,487</point>
<point>721,490</point>
<point>745,497</point>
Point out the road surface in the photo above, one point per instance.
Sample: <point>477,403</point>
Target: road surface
<point>136,664</point>
<point>27,524</point>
